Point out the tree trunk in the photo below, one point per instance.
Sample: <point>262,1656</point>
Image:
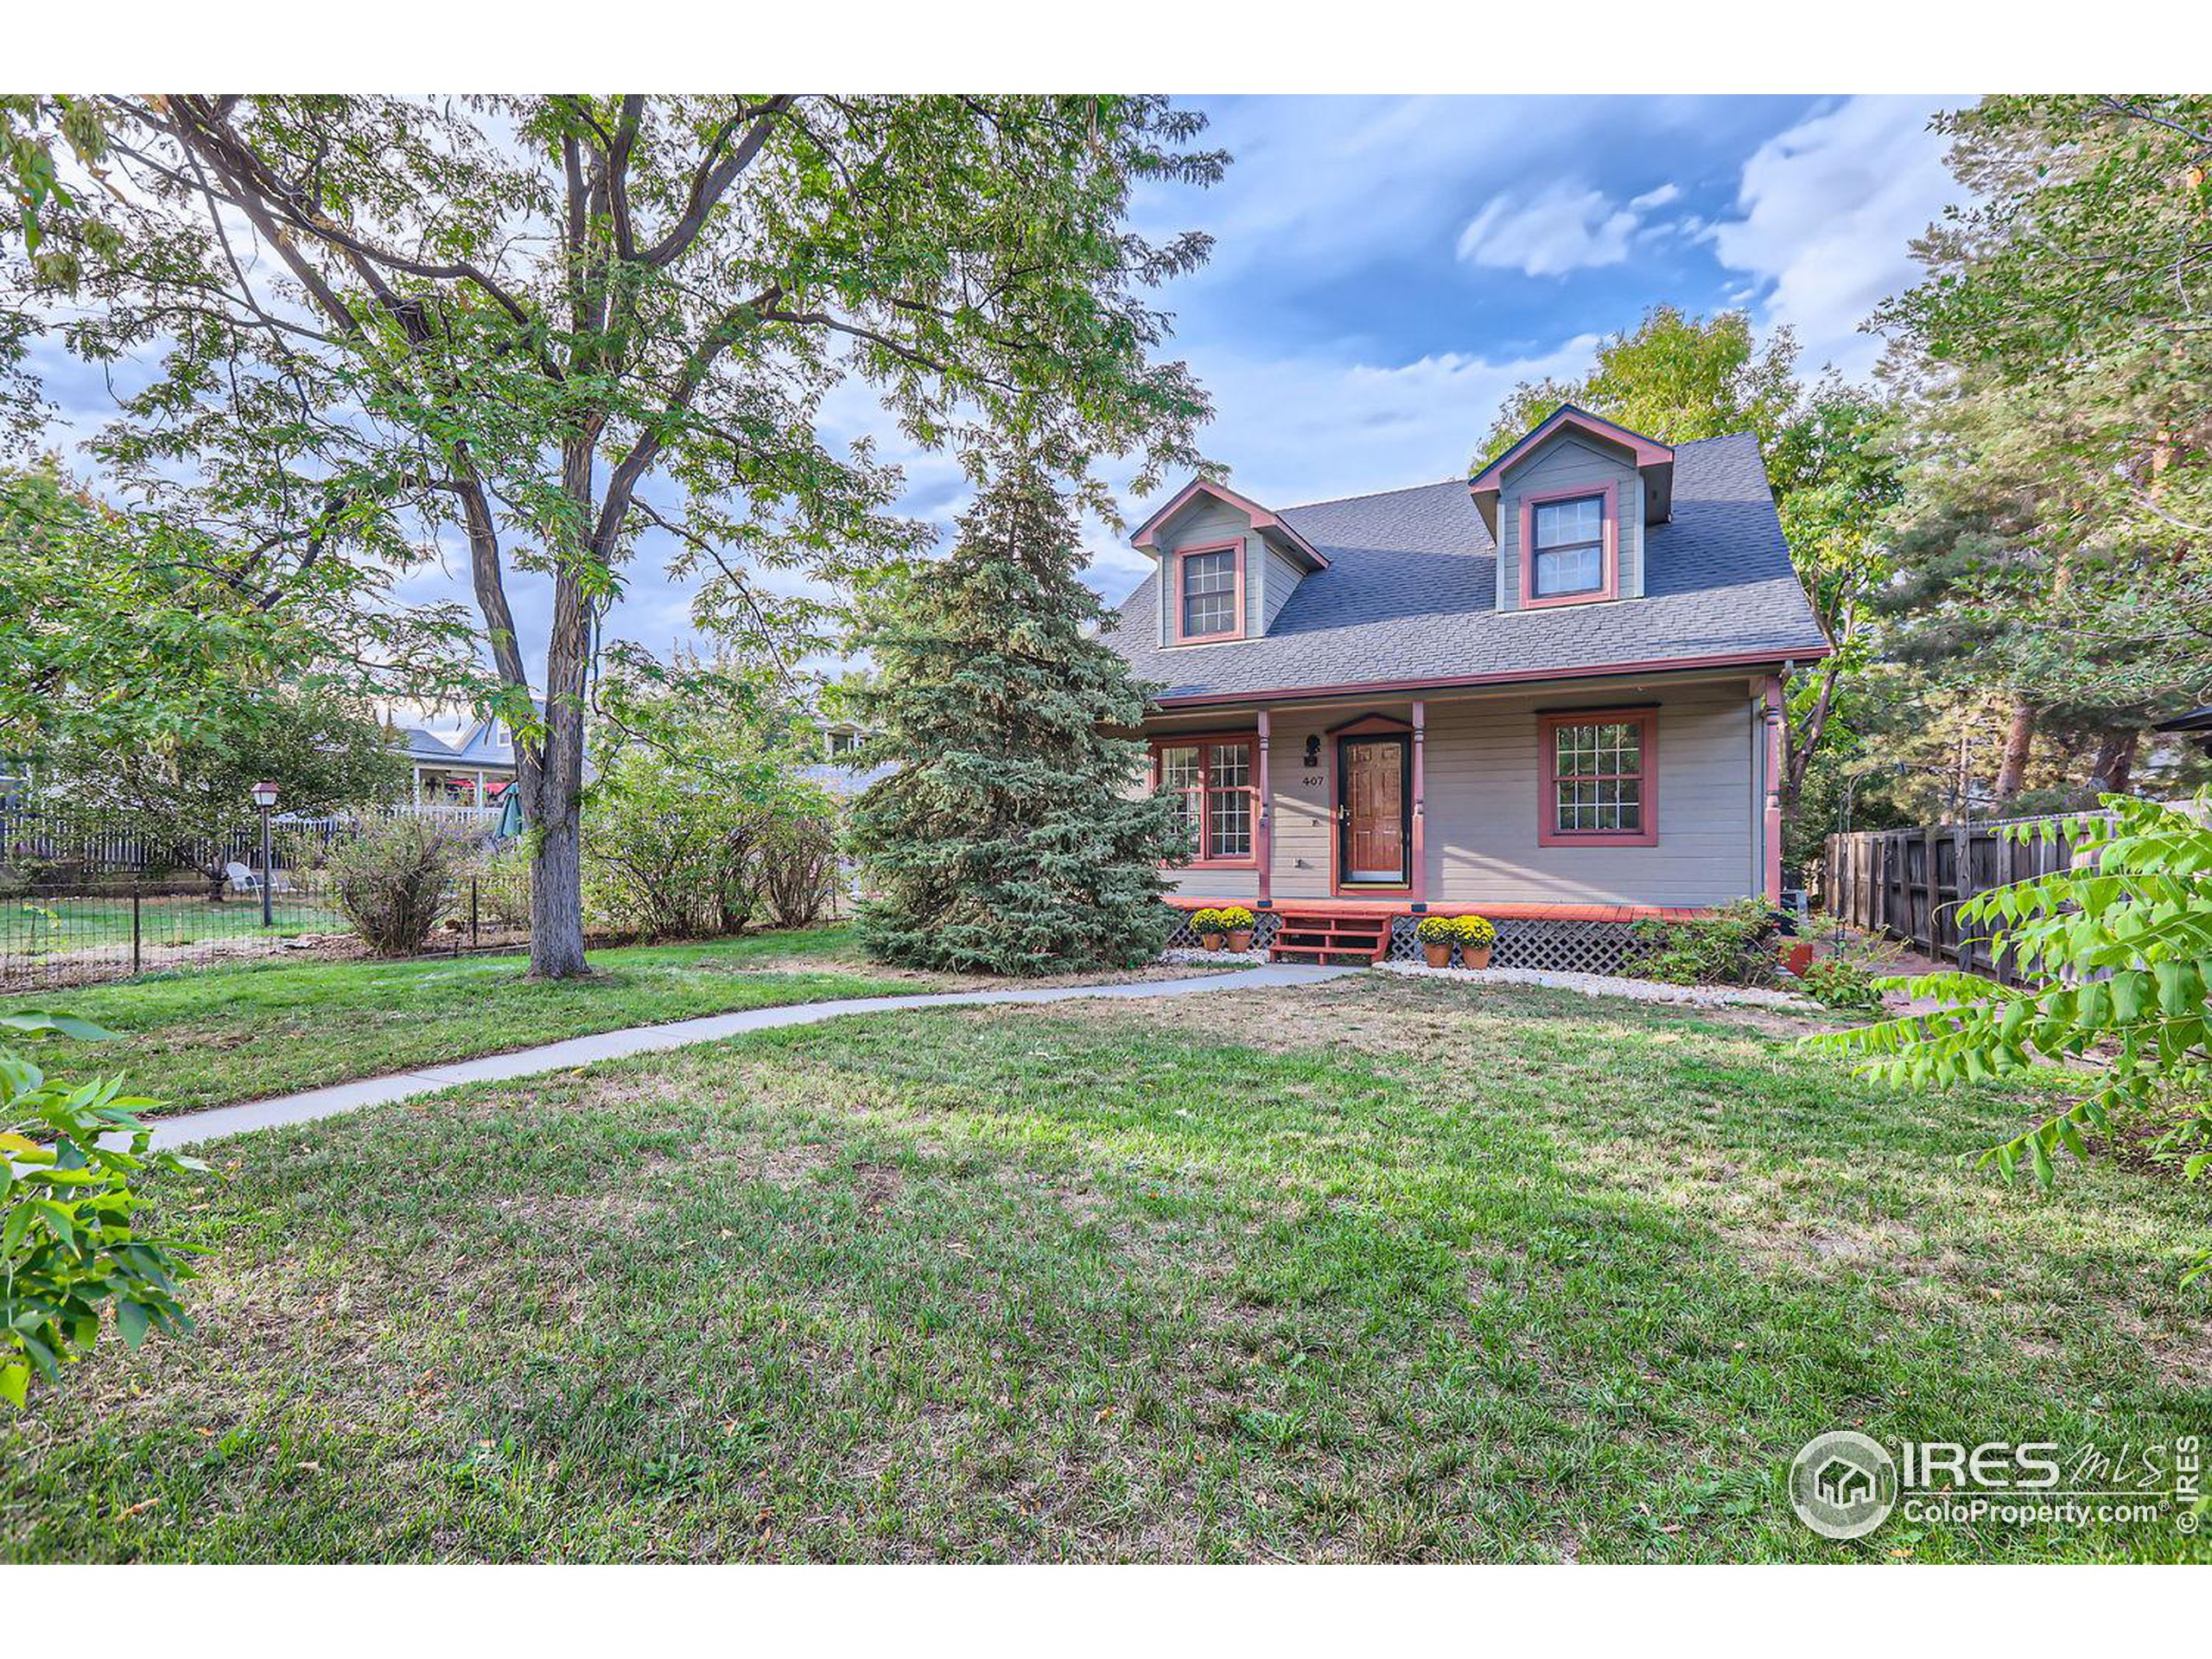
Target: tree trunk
<point>2113,769</point>
<point>553,789</point>
<point>557,910</point>
<point>2019,744</point>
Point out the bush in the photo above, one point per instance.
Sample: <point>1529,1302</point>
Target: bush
<point>1228,918</point>
<point>1438,930</point>
<point>1850,981</point>
<point>1735,945</point>
<point>673,853</point>
<point>798,865</point>
<point>1473,932</point>
<point>69,1240</point>
<point>396,878</point>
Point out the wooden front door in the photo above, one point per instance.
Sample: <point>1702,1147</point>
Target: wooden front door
<point>1372,812</point>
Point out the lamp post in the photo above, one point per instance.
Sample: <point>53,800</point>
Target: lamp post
<point>265,797</point>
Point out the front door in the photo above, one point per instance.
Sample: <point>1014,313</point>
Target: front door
<point>1371,815</point>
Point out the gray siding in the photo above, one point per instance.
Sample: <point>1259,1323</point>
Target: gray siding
<point>1209,520</point>
<point>1566,462</point>
<point>1483,782</point>
<point>1281,576</point>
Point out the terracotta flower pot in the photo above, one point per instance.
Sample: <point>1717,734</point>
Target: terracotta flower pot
<point>1240,938</point>
<point>1798,956</point>
<point>1212,941</point>
<point>1439,955</point>
<point>1474,956</point>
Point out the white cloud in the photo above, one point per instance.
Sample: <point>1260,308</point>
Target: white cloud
<point>1566,228</point>
<point>1569,227</point>
<point>1828,209</point>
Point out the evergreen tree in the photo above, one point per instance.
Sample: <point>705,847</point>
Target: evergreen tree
<point>1009,837</point>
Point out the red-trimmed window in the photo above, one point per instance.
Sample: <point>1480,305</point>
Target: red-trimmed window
<point>1571,545</point>
<point>1215,778</point>
<point>1600,778</point>
<point>1210,592</point>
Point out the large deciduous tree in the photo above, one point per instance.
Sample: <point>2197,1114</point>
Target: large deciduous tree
<point>540,327</point>
<point>1011,834</point>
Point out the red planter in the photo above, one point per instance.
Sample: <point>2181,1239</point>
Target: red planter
<point>1798,956</point>
<point>1240,938</point>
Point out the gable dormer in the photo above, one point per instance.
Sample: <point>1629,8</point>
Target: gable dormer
<point>1227,565</point>
<point>1567,506</point>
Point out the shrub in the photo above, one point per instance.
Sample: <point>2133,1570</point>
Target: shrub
<point>394,879</point>
<point>1438,930</point>
<point>69,1240</point>
<point>1850,981</point>
<point>666,852</point>
<point>1473,932</point>
<point>1734,945</point>
<point>503,886</point>
<point>798,864</point>
<point>1235,919</point>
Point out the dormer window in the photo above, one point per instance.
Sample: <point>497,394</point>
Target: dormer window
<point>1569,546</point>
<point>1571,542</point>
<point>1210,592</point>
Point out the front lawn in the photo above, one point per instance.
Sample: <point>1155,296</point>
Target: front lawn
<point>1377,1269</point>
<point>214,1037</point>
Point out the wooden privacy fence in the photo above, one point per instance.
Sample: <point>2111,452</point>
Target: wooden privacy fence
<point>1909,883</point>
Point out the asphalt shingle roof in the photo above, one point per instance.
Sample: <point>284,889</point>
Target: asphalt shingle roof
<point>1411,587</point>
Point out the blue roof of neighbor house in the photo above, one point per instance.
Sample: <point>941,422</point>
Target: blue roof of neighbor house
<point>424,745</point>
<point>1410,594</point>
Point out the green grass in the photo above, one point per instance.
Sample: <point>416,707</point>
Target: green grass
<point>212,1038</point>
<point>1377,1270</point>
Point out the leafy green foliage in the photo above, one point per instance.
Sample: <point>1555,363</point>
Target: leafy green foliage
<point>1734,945</point>
<point>2053,541</point>
<point>1842,984</point>
<point>2119,952</point>
<point>1008,838</point>
<point>540,327</point>
<point>70,1242</point>
<point>395,878</point>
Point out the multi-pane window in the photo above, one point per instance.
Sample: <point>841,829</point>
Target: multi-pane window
<point>1220,803</point>
<point>1599,777</point>
<point>1569,547</point>
<point>1210,593</point>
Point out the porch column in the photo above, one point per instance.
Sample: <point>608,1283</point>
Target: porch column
<point>1418,884</point>
<point>1770,698</point>
<point>1263,836</point>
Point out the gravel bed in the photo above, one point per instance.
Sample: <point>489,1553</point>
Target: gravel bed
<point>1638,990</point>
<point>1215,958</point>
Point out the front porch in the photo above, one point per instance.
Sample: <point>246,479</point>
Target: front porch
<point>1563,813</point>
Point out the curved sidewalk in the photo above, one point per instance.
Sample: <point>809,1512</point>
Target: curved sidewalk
<point>313,1103</point>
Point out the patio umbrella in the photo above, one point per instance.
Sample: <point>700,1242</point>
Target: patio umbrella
<point>510,815</point>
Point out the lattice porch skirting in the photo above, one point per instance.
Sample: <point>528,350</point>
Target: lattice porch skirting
<point>1553,946</point>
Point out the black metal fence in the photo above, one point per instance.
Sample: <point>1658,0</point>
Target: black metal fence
<point>75,932</point>
<point>1909,883</point>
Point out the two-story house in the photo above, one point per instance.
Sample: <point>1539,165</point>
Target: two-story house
<point>1550,693</point>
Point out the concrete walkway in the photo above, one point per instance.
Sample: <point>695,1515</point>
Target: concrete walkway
<point>306,1107</point>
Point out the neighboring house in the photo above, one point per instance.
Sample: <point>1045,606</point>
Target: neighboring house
<point>1551,694</point>
<point>838,773</point>
<point>475,771</point>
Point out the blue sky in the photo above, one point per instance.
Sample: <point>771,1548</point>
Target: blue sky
<point>1384,269</point>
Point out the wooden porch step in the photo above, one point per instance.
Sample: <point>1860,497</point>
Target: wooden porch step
<point>1320,936</point>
